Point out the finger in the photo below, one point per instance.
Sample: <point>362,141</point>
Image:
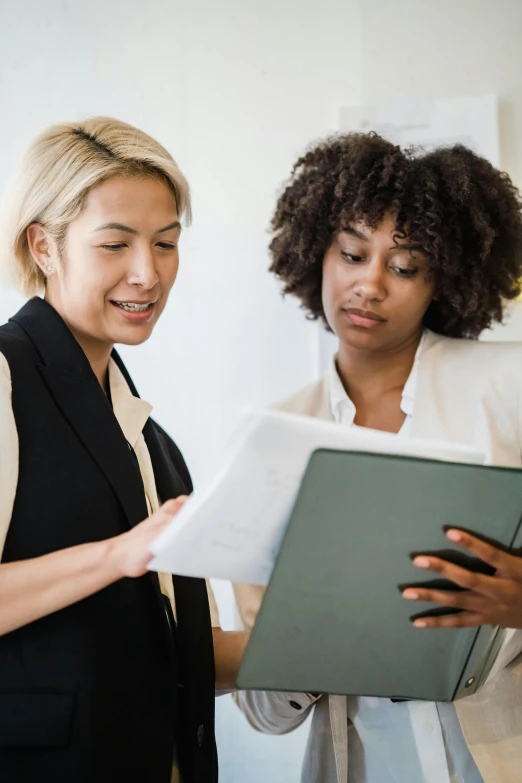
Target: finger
<point>489,554</point>
<point>164,514</point>
<point>470,580</point>
<point>173,505</point>
<point>460,620</point>
<point>169,509</point>
<point>456,599</point>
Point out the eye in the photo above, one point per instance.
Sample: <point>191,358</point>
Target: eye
<point>167,245</point>
<point>405,272</point>
<point>351,258</point>
<point>114,247</point>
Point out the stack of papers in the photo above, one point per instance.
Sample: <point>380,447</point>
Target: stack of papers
<point>232,529</point>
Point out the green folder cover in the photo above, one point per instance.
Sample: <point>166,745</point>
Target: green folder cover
<point>333,619</point>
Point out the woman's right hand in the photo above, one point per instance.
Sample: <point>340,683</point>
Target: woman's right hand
<point>129,553</point>
<point>31,589</point>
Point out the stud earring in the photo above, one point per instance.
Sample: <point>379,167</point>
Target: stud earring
<point>49,267</point>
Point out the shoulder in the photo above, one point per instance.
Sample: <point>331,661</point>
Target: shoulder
<point>473,357</point>
<point>15,346</point>
<point>312,400</point>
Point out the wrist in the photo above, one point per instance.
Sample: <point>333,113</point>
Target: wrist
<point>111,559</point>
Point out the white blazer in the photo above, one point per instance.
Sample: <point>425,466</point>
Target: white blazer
<point>467,392</point>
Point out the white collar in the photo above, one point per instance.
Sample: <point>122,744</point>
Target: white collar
<point>130,411</point>
<point>342,407</point>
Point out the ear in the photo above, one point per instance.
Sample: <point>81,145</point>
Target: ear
<point>42,248</point>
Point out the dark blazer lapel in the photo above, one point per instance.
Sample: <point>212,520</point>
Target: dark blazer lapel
<point>192,610</point>
<point>169,483</point>
<point>76,391</point>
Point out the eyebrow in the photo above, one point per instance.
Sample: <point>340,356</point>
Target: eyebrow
<point>408,246</point>
<point>354,233</point>
<point>129,230</point>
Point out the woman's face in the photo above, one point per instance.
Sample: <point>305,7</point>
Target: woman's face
<point>376,287</point>
<point>119,263</point>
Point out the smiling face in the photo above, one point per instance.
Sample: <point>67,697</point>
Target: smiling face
<point>376,287</point>
<point>119,263</point>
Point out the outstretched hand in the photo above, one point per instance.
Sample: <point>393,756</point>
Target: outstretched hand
<point>130,552</point>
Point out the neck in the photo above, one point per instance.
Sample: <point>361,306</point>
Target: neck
<point>368,374</point>
<point>98,357</point>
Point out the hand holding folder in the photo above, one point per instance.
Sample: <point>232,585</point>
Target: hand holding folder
<point>333,619</point>
<point>493,597</point>
<point>341,532</point>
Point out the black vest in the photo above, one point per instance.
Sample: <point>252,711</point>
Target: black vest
<point>103,690</point>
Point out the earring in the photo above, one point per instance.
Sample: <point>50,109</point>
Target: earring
<point>49,267</point>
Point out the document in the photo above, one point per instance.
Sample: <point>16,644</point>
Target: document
<point>232,529</point>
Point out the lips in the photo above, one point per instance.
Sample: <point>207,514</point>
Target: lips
<point>135,312</point>
<point>365,319</point>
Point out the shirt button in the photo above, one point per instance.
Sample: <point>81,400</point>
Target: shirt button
<point>295,705</point>
<point>428,728</point>
<point>201,735</point>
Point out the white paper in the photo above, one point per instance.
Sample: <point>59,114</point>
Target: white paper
<point>233,529</point>
<point>430,123</point>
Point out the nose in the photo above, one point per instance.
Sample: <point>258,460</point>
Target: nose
<point>370,284</point>
<point>143,270</point>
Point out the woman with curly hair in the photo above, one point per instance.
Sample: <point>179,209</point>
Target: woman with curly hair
<point>407,257</point>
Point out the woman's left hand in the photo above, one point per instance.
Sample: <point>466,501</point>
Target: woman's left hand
<point>486,600</point>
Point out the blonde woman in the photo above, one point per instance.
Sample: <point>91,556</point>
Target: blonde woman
<point>106,670</point>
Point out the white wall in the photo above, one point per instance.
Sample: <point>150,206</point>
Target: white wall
<point>235,90</point>
<point>444,49</point>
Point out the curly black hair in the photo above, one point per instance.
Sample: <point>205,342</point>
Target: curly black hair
<point>465,215</point>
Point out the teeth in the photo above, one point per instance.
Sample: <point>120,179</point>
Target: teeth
<point>133,308</point>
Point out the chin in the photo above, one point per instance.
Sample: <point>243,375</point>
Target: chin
<point>360,338</point>
<point>134,336</point>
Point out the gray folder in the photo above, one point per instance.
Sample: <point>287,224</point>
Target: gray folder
<point>333,619</point>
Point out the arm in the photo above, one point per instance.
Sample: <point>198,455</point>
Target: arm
<point>268,711</point>
<point>229,647</point>
<point>31,589</point>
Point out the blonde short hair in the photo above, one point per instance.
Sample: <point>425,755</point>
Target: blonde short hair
<point>59,169</point>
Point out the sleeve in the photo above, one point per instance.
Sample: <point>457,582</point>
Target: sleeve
<point>268,712</point>
<point>511,647</point>
<point>8,452</point>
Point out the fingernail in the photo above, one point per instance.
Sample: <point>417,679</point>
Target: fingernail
<point>420,624</point>
<point>454,535</point>
<point>421,562</point>
<point>410,595</point>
